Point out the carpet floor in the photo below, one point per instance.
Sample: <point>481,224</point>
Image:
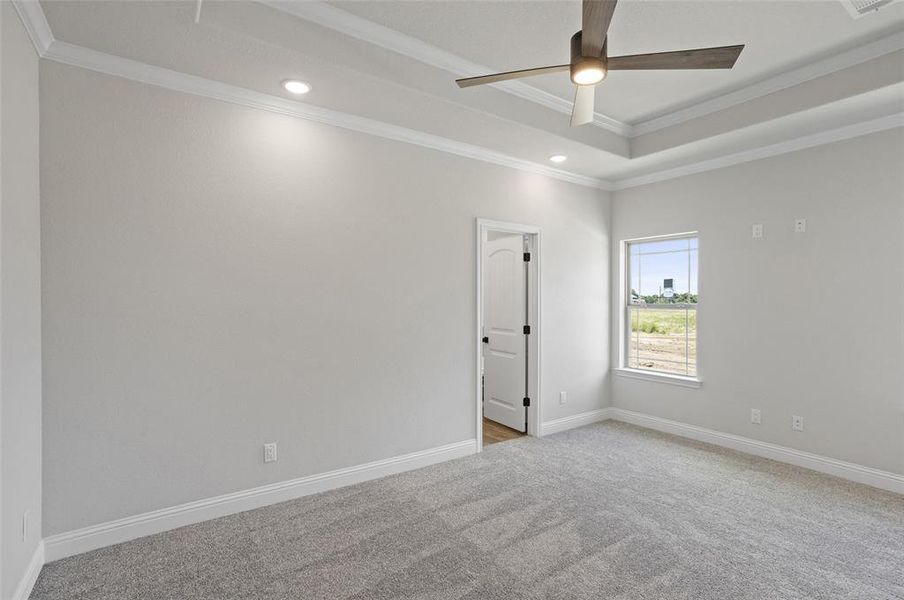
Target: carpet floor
<point>608,511</point>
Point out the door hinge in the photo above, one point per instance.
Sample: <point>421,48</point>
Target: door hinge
<point>527,257</point>
<point>527,402</point>
<point>527,330</point>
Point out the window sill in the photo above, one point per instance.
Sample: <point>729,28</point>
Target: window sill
<point>689,382</point>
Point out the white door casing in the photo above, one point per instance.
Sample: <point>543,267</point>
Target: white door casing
<point>504,316</point>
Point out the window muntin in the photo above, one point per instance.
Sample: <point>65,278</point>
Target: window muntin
<point>661,305</point>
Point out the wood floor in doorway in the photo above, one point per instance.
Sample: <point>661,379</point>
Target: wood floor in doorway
<point>494,432</point>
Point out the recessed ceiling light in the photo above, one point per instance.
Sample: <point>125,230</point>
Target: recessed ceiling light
<point>558,158</point>
<point>296,87</point>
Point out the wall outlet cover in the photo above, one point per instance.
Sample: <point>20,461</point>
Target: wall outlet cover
<point>797,423</point>
<point>270,452</point>
<point>800,225</point>
<point>563,397</point>
<point>757,231</point>
<point>755,416</point>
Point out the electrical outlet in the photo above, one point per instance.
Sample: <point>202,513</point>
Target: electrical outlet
<point>25,526</point>
<point>755,416</point>
<point>797,423</point>
<point>800,225</point>
<point>757,231</point>
<point>270,452</point>
<point>563,397</point>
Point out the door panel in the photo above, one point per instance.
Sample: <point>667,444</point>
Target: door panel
<point>505,314</point>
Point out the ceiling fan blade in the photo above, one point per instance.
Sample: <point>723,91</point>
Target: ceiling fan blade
<point>582,113</point>
<point>469,81</point>
<point>595,18</point>
<point>723,57</point>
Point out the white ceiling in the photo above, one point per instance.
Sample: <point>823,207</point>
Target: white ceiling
<point>509,35</point>
<point>362,69</point>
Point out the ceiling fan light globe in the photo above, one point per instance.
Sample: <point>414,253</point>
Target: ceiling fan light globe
<point>586,70</point>
<point>588,76</point>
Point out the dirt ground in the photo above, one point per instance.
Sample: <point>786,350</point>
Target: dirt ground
<point>662,352</point>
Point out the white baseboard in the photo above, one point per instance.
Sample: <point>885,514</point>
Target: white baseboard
<point>129,528</point>
<point>27,583</point>
<point>579,420</point>
<point>122,530</point>
<point>874,477</point>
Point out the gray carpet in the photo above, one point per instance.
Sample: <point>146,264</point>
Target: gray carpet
<point>606,511</point>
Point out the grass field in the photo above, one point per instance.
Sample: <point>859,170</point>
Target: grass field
<point>663,340</point>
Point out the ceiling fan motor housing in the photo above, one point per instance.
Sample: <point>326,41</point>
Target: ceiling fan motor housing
<point>582,65</point>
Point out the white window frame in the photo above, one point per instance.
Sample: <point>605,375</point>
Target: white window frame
<point>623,370</point>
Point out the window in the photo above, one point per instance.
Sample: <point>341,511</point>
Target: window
<point>661,305</point>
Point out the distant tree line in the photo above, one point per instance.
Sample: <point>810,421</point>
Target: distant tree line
<point>683,298</point>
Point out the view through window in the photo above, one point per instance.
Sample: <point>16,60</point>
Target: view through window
<point>662,305</point>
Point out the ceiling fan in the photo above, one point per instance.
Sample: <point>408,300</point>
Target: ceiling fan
<point>590,62</point>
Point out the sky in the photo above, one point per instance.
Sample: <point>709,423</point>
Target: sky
<point>652,262</point>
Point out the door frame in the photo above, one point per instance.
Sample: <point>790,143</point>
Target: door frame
<point>534,356</point>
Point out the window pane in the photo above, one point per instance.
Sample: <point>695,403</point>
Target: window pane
<point>663,272</point>
<point>661,340</point>
<point>633,339</point>
<point>692,283</point>
<point>634,296</point>
<point>692,342</point>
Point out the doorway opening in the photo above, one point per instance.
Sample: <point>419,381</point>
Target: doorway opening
<point>508,331</point>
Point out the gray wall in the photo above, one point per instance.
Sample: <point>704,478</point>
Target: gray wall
<point>20,301</point>
<point>217,277</point>
<point>808,324</point>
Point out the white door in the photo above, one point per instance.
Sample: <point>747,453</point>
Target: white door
<point>504,317</point>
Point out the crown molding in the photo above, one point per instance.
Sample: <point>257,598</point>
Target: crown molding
<point>801,143</point>
<point>837,62</point>
<point>36,24</point>
<point>344,22</point>
<point>32,16</point>
<point>354,26</point>
<point>109,64</point>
